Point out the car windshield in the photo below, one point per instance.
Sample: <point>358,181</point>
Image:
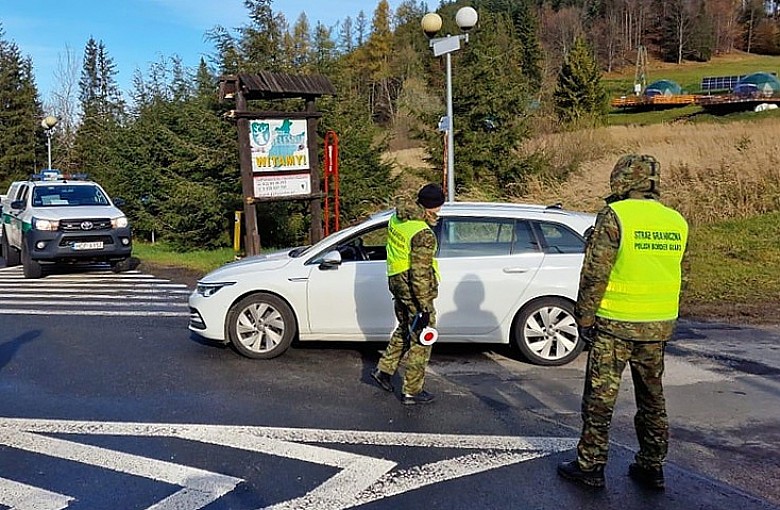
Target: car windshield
<point>68,195</point>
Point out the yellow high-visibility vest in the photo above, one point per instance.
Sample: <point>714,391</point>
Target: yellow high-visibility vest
<point>399,245</point>
<point>644,285</point>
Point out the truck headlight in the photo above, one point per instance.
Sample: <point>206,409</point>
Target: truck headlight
<point>120,222</point>
<point>209,289</point>
<point>42,224</point>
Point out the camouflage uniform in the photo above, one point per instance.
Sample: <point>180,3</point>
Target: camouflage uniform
<point>413,291</point>
<point>617,343</point>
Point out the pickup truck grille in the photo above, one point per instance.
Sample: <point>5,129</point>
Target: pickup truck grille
<point>85,224</point>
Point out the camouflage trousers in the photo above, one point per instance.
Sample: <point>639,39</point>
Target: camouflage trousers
<point>606,361</point>
<point>416,354</point>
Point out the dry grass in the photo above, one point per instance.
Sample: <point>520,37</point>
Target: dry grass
<point>710,172</point>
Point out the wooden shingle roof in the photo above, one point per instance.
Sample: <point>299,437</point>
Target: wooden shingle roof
<point>272,85</point>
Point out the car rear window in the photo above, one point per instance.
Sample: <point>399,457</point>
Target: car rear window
<point>475,237</point>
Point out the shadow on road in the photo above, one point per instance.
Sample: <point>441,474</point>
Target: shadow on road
<point>8,349</point>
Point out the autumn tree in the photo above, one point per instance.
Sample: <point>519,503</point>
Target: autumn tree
<point>64,104</point>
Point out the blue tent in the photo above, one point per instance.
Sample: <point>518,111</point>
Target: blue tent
<point>757,85</point>
<point>663,88</point>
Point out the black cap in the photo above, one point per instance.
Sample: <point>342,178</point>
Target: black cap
<point>430,196</point>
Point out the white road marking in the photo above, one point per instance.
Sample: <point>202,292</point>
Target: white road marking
<point>95,313</point>
<point>83,302</point>
<point>20,496</point>
<point>92,294</point>
<point>97,285</point>
<point>204,486</point>
<point>84,297</point>
<point>361,478</point>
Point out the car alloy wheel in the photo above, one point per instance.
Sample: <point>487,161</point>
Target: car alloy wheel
<point>261,326</point>
<point>545,332</point>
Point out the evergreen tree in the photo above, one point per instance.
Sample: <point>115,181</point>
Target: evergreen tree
<point>22,145</point>
<point>361,26</point>
<point>205,81</point>
<point>493,96</point>
<point>261,40</point>
<point>323,50</point>
<point>366,181</point>
<point>98,139</point>
<point>676,29</point>
<point>490,101</point>
<point>753,13</point>
<point>526,29</point>
<point>346,36</point>
<point>579,95</point>
<point>702,42</point>
<point>178,168</point>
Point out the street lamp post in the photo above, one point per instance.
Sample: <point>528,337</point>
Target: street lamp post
<point>466,18</point>
<point>48,124</point>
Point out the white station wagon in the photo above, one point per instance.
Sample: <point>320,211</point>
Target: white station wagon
<point>509,274</point>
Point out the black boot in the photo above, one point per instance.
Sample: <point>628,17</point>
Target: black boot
<point>572,471</point>
<point>420,398</point>
<point>383,379</point>
<point>650,478</point>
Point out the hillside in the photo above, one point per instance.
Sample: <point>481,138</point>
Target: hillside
<point>724,177</point>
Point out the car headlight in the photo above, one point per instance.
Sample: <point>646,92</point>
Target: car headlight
<point>209,289</point>
<point>120,222</point>
<point>42,224</point>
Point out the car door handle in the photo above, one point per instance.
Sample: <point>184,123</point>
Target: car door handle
<point>514,270</point>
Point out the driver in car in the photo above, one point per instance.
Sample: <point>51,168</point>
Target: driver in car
<point>413,277</point>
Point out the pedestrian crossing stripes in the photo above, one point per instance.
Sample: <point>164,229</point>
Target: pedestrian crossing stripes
<point>99,292</point>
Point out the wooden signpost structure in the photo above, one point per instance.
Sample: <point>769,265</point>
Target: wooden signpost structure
<point>278,151</point>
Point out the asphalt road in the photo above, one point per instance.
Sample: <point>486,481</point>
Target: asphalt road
<point>119,410</point>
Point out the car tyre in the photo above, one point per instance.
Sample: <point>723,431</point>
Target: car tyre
<point>261,326</point>
<point>545,332</point>
<point>10,254</point>
<point>31,268</point>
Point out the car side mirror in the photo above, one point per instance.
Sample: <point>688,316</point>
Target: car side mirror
<point>17,204</point>
<point>331,260</point>
<point>119,202</point>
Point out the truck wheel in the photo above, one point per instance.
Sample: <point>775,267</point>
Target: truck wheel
<point>120,265</point>
<point>10,254</point>
<point>32,268</point>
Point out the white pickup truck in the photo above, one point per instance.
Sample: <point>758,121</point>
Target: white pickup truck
<point>54,219</point>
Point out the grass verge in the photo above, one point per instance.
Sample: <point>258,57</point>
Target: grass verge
<point>198,261</point>
<point>736,261</point>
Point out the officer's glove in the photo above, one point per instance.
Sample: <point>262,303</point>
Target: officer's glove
<point>423,319</point>
<point>588,335</point>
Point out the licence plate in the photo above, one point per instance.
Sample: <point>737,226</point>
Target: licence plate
<point>94,245</point>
